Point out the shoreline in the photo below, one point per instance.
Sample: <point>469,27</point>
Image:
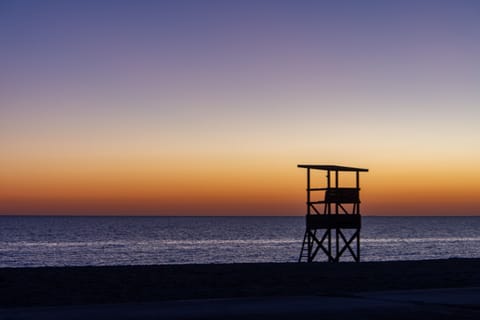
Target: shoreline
<point>63,286</point>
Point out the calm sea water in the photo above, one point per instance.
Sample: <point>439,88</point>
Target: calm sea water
<point>79,241</point>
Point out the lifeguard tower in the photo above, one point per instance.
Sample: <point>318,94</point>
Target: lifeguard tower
<point>333,219</point>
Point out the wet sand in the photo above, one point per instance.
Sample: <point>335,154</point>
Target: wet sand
<point>74,286</point>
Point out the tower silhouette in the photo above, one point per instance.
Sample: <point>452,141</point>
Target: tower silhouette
<point>333,222</point>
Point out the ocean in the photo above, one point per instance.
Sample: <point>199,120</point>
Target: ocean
<point>96,241</point>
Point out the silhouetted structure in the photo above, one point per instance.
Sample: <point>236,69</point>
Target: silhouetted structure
<point>332,223</point>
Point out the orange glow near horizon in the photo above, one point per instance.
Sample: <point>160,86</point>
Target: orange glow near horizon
<point>242,189</point>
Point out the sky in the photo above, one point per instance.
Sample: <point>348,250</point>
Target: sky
<point>206,107</point>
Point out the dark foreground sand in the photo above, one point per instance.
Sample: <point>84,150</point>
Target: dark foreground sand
<point>133,284</point>
<point>438,304</point>
<point>435,289</point>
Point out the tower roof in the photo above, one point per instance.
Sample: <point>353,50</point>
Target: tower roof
<point>329,167</point>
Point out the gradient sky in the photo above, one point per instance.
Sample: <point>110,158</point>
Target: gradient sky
<point>206,107</point>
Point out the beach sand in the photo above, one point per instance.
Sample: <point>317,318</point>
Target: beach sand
<point>284,284</point>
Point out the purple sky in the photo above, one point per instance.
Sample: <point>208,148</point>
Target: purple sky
<point>378,84</point>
